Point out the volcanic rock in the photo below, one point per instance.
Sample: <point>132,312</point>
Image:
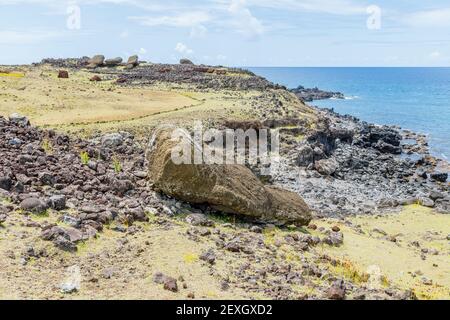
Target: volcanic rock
<point>228,188</point>
<point>113,62</point>
<point>96,61</point>
<point>186,61</point>
<point>62,74</point>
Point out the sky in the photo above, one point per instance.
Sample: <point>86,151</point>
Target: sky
<point>230,32</point>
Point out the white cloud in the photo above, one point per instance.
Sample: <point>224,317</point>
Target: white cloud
<point>187,19</point>
<point>435,55</point>
<point>335,7</point>
<point>431,18</point>
<point>124,34</point>
<point>243,19</point>
<point>198,31</point>
<point>182,48</point>
<point>26,37</point>
<point>142,51</point>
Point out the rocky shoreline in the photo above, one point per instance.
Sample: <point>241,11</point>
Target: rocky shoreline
<point>309,95</point>
<point>65,192</point>
<point>348,166</point>
<point>101,184</point>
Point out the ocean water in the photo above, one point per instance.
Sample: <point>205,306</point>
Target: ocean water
<point>413,98</point>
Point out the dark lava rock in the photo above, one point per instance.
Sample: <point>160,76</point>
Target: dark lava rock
<point>198,219</point>
<point>309,95</point>
<point>169,283</point>
<point>18,119</point>
<point>334,239</point>
<point>62,74</point>
<point>208,256</point>
<point>113,62</point>
<point>186,61</point>
<point>5,183</point>
<point>95,79</point>
<point>336,291</point>
<point>438,176</point>
<point>65,244</point>
<point>33,205</point>
<point>57,202</point>
<point>47,178</point>
<point>305,156</point>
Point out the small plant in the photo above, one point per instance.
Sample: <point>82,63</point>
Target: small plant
<point>47,146</point>
<point>190,258</point>
<point>117,165</point>
<point>84,156</point>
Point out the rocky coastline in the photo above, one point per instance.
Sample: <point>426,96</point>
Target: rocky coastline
<point>348,166</point>
<point>101,185</point>
<point>253,235</point>
<point>311,94</point>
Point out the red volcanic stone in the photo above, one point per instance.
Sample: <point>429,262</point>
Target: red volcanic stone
<point>63,74</point>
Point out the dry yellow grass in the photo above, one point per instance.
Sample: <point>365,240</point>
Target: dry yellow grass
<point>399,261</point>
<point>77,104</point>
<point>48,100</point>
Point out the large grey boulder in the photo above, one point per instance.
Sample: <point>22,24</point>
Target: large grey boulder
<point>186,61</point>
<point>34,205</point>
<point>228,188</point>
<point>112,140</point>
<point>19,119</point>
<point>305,156</point>
<point>326,166</point>
<point>96,61</point>
<point>132,62</point>
<point>113,62</point>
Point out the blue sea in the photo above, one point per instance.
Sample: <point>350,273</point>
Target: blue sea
<point>413,98</point>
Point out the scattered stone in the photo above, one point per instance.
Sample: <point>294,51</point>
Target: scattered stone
<point>439,176</point>
<point>6,183</point>
<point>191,295</point>
<point>305,156</point>
<point>57,202</point>
<point>63,74</point>
<point>336,291</point>
<point>95,78</point>
<point>113,62</point>
<point>208,256</point>
<point>326,167</point>
<point>186,61</point>
<point>334,239</point>
<point>108,273</point>
<point>96,61</point>
<point>69,287</point>
<point>336,229</point>
<point>233,246</point>
<point>169,283</point>
<point>19,120</point>
<point>256,229</point>
<point>133,61</point>
<point>47,178</point>
<point>198,219</point>
<point>426,202</point>
<point>112,140</point>
<point>33,205</point>
<point>309,95</point>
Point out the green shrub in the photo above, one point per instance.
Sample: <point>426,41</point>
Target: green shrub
<point>117,165</point>
<point>84,156</point>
